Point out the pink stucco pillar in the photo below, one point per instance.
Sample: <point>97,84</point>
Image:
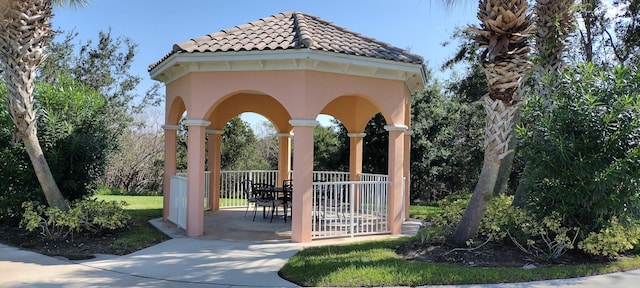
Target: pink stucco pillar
<point>396,174</point>
<point>407,172</point>
<point>170,159</point>
<point>284,156</point>
<point>303,179</point>
<point>355,162</point>
<point>195,175</point>
<point>355,155</point>
<point>214,150</point>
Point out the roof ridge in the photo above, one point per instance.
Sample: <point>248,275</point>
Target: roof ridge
<point>292,30</point>
<point>302,30</point>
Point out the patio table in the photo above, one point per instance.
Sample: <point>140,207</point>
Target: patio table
<point>277,195</point>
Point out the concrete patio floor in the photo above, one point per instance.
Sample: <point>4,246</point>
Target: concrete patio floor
<point>231,224</point>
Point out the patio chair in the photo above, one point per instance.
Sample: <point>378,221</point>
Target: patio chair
<point>266,197</point>
<point>287,188</point>
<point>247,186</point>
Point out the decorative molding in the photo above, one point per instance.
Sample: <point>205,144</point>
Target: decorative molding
<point>197,122</point>
<point>303,123</point>
<point>400,128</point>
<point>180,64</point>
<point>171,127</point>
<point>408,132</point>
<point>356,135</point>
<point>214,132</point>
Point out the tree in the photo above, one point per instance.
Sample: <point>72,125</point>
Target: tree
<point>502,34</point>
<point>326,147</point>
<point>446,146</point>
<point>239,147</point>
<point>376,146</point>
<point>25,32</point>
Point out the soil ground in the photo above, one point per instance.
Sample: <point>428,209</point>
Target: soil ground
<point>81,246</point>
<point>489,255</point>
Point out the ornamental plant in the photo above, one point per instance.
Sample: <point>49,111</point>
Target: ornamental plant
<point>582,153</point>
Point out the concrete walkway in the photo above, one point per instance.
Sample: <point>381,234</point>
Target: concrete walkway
<point>201,262</point>
<point>183,262</point>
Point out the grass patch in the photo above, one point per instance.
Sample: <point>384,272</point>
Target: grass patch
<point>376,264</point>
<point>141,233</point>
<point>424,212</point>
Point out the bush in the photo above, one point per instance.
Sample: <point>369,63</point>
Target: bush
<point>85,216</point>
<point>546,238</point>
<point>612,239</point>
<point>53,223</point>
<point>74,139</point>
<point>582,155</point>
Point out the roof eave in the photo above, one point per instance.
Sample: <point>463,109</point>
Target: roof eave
<point>180,64</point>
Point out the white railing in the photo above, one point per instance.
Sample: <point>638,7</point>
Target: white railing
<point>330,176</point>
<point>341,208</point>
<point>207,178</point>
<point>178,200</point>
<point>231,192</point>
<point>349,209</point>
<point>373,177</point>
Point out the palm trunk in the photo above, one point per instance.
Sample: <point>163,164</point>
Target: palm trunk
<point>25,31</point>
<point>553,23</point>
<point>502,182</point>
<point>499,133</point>
<point>41,168</point>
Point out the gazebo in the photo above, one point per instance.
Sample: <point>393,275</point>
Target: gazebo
<point>289,67</point>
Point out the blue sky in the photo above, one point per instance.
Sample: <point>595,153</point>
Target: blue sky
<point>155,25</point>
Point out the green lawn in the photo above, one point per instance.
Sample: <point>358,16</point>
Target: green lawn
<point>141,233</point>
<point>376,264</point>
<point>135,202</point>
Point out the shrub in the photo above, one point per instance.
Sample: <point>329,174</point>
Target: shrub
<point>53,223</point>
<point>546,238</point>
<point>612,239</point>
<point>92,216</point>
<point>74,138</point>
<point>582,154</point>
<point>97,216</point>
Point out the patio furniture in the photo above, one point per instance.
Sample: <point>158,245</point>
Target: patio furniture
<point>287,188</point>
<point>248,193</point>
<point>266,197</point>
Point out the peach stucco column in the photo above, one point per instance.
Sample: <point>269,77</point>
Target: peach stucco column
<point>303,177</point>
<point>284,156</point>
<point>195,175</point>
<point>355,162</point>
<point>214,156</point>
<point>396,167</point>
<point>355,155</point>
<point>170,159</point>
<point>407,173</point>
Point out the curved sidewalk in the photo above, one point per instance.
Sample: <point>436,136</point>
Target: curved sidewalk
<point>182,262</point>
<point>190,262</point>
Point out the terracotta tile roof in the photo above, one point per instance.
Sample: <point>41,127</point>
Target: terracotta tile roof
<point>292,30</point>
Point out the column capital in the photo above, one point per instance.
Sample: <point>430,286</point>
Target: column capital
<point>408,132</point>
<point>197,122</point>
<point>170,127</point>
<point>356,135</point>
<point>303,122</point>
<point>285,134</point>
<point>400,128</point>
<point>214,132</point>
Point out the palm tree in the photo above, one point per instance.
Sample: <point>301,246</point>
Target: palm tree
<point>25,33</point>
<point>503,34</point>
<point>553,23</point>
